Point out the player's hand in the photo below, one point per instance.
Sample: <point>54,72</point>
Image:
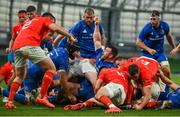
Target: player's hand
<point>137,107</point>
<point>8,50</point>
<point>152,51</point>
<point>173,52</point>
<point>95,90</point>
<point>96,20</point>
<point>71,39</point>
<point>72,98</point>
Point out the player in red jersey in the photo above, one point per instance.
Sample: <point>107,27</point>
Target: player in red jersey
<point>27,46</point>
<point>143,71</point>
<point>15,31</point>
<point>6,72</point>
<point>111,90</point>
<point>111,86</point>
<point>16,28</point>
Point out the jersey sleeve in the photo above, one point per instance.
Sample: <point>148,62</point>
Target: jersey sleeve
<point>14,35</point>
<point>75,30</point>
<point>47,21</point>
<point>102,74</point>
<point>143,34</point>
<point>167,29</point>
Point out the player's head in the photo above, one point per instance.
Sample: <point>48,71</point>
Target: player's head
<point>48,36</point>
<point>134,71</point>
<point>155,18</point>
<point>31,12</point>
<point>88,15</point>
<point>50,15</point>
<point>22,16</point>
<point>73,50</point>
<point>110,53</point>
<point>120,60</point>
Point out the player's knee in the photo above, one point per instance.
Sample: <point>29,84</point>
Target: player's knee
<point>102,91</point>
<point>166,71</point>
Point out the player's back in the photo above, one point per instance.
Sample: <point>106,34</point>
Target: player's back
<point>32,32</point>
<point>114,75</point>
<point>148,64</point>
<point>60,58</point>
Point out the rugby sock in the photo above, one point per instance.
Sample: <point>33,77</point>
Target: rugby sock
<point>106,101</point>
<point>151,104</point>
<point>88,103</point>
<point>47,79</point>
<point>14,87</point>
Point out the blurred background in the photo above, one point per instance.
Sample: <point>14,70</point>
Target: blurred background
<point>122,20</point>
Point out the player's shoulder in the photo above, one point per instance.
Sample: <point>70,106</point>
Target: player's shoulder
<point>147,27</point>
<point>17,25</point>
<point>164,24</point>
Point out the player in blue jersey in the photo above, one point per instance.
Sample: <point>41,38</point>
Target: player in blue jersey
<point>151,40</point>
<point>104,61</point>
<point>104,58</point>
<point>172,98</point>
<point>83,32</point>
<point>175,50</point>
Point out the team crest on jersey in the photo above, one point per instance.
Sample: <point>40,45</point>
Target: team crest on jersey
<point>84,31</point>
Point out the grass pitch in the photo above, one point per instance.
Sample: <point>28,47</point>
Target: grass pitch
<point>39,110</point>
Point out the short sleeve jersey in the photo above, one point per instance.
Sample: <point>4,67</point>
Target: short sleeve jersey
<point>148,69</point>
<point>154,37</point>
<point>32,32</point>
<point>113,75</point>
<point>84,34</point>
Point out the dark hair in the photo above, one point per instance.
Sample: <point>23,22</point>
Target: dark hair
<point>114,50</point>
<point>89,10</point>
<point>21,11</point>
<point>155,13</point>
<point>133,69</point>
<point>120,58</point>
<point>72,48</point>
<point>30,8</point>
<point>48,14</point>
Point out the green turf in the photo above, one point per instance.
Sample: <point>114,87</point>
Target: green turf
<point>39,110</point>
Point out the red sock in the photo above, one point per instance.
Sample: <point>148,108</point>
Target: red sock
<point>51,85</point>
<point>89,103</point>
<point>105,100</point>
<point>151,104</point>
<point>47,79</point>
<point>14,87</point>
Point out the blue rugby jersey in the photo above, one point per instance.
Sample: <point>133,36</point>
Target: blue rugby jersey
<point>100,63</point>
<point>154,37</point>
<point>84,36</point>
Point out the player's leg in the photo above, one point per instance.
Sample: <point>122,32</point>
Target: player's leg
<point>20,70</point>
<point>106,93</point>
<point>38,56</point>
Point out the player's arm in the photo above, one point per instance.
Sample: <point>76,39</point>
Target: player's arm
<point>98,85</point>
<point>11,42</point>
<point>97,35</point>
<point>103,40</point>
<point>57,39</point>
<point>167,81</point>
<point>170,40</point>
<point>145,99</point>
<point>175,50</point>
<point>62,31</point>
<point>141,44</point>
